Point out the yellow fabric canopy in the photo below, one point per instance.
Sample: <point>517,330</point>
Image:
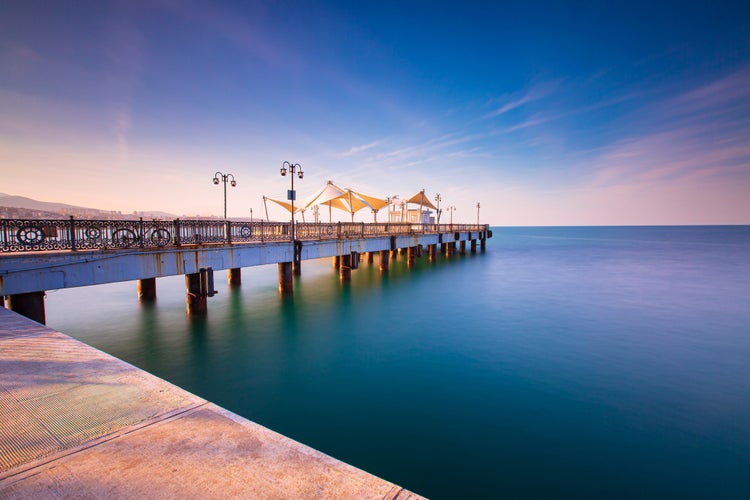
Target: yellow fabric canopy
<point>372,202</point>
<point>285,204</point>
<point>421,199</point>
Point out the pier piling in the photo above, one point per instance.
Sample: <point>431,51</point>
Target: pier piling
<point>345,270</point>
<point>196,302</point>
<point>29,304</point>
<point>234,276</point>
<point>411,256</point>
<point>286,281</point>
<point>432,252</point>
<point>147,289</point>
<point>384,258</point>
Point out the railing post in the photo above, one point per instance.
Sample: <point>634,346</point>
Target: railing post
<point>229,231</point>
<point>140,236</point>
<point>72,234</point>
<point>262,238</point>
<point>362,234</point>
<point>338,231</point>
<point>176,223</point>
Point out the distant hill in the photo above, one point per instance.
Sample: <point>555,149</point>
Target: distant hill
<point>7,200</point>
<point>63,209</point>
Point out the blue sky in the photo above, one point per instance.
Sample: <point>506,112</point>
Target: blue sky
<point>547,113</point>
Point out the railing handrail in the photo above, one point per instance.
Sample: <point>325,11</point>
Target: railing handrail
<point>24,235</point>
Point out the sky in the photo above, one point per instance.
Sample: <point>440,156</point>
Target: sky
<point>544,113</point>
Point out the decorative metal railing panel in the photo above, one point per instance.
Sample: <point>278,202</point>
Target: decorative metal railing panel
<point>27,235</point>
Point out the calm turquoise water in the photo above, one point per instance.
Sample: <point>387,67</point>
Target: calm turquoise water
<point>562,362</point>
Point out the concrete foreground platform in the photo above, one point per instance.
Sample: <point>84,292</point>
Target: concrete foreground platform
<point>78,423</point>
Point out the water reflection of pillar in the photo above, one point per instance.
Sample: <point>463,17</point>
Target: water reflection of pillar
<point>463,247</point>
<point>336,261</point>
<point>432,252</point>
<point>473,246</point>
<point>369,258</point>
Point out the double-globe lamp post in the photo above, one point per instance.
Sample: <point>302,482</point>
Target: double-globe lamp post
<point>219,177</point>
<point>438,199</point>
<point>293,168</point>
<point>451,209</point>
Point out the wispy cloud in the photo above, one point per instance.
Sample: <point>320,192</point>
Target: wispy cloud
<point>701,134</point>
<point>518,99</point>
<point>123,50</point>
<point>354,150</point>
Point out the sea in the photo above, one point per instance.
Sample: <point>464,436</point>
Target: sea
<point>561,362</point>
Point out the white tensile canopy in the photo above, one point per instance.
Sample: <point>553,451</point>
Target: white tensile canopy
<point>344,199</point>
<point>348,200</point>
<point>331,195</point>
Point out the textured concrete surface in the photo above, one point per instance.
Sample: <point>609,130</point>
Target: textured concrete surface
<point>78,423</point>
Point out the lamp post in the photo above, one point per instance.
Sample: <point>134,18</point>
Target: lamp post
<point>438,199</point>
<point>451,209</point>
<point>293,168</point>
<point>389,200</point>
<point>219,177</point>
<point>477,213</point>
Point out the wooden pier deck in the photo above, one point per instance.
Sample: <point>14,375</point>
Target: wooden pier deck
<point>78,423</point>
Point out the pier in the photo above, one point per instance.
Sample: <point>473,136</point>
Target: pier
<point>39,255</point>
<point>78,423</point>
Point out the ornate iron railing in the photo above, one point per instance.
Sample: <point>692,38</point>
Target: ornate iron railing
<point>26,235</point>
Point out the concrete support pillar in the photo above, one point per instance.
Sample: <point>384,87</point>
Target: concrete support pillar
<point>29,304</point>
<point>147,289</point>
<point>432,252</point>
<point>411,256</point>
<point>483,244</point>
<point>196,302</point>
<point>384,258</point>
<point>473,246</point>
<point>234,276</point>
<point>369,258</point>
<point>419,251</point>
<point>463,247</point>
<point>345,271</point>
<point>297,268</point>
<point>394,255</point>
<point>402,251</point>
<point>336,261</point>
<point>286,281</point>
<point>443,248</point>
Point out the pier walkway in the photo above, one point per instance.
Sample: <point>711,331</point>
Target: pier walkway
<point>78,423</point>
<point>40,255</point>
